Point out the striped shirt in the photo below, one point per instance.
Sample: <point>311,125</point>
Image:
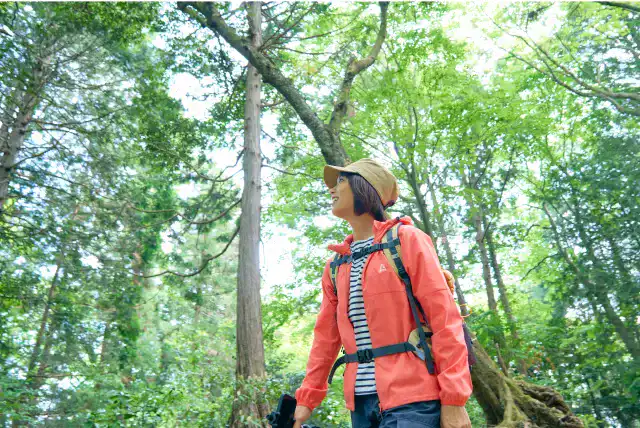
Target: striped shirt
<point>365,378</point>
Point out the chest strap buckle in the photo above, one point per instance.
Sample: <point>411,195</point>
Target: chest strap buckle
<point>365,355</point>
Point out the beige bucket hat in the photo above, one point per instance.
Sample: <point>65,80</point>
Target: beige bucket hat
<point>377,175</point>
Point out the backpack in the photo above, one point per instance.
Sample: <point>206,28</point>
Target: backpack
<point>420,338</point>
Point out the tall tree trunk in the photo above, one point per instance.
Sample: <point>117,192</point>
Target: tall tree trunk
<point>476,219</point>
<point>598,292</point>
<point>484,258</point>
<point>44,341</point>
<point>164,362</point>
<point>497,271</point>
<point>504,296</point>
<point>594,404</point>
<point>24,103</point>
<point>165,359</point>
<point>54,325</point>
<point>628,333</point>
<point>44,320</point>
<point>422,206</point>
<point>38,380</point>
<point>249,343</point>
<point>104,346</point>
<point>451,265</point>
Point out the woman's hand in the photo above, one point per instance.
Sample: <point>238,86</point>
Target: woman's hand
<point>303,413</point>
<point>453,417</point>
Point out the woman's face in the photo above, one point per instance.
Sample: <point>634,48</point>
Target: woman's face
<point>342,199</point>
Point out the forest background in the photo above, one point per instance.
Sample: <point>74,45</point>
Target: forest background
<point>163,221</point>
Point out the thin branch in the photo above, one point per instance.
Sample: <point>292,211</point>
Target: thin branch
<point>202,267</point>
<point>355,67</point>
<point>37,155</point>
<point>273,104</point>
<point>622,5</point>
<point>538,265</point>
<point>553,68</point>
<point>303,52</point>
<point>291,173</point>
<point>218,217</point>
<point>278,36</point>
<point>81,122</point>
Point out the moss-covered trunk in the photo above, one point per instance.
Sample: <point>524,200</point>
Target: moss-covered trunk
<point>513,403</point>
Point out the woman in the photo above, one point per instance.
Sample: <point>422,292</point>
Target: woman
<point>371,310</point>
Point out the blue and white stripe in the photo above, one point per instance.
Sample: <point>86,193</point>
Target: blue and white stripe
<point>365,378</point>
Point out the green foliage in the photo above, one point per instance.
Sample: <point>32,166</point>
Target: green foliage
<point>117,181</point>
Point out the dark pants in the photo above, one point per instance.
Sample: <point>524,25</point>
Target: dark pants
<point>424,414</point>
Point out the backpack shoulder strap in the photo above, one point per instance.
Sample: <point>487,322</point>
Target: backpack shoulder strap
<point>394,256</point>
<point>393,252</point>
<point>333,272</point>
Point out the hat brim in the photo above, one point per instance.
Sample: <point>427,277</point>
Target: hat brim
<point>331,174</point>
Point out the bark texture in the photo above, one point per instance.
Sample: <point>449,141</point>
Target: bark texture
<point>512,403</point>
<point>19,108</point>
<point>249,345</point>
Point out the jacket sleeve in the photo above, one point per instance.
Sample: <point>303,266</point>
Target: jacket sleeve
<point>449,349</point>
<point>324,350</point>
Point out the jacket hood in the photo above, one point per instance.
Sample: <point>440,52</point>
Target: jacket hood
<point>379,229</point>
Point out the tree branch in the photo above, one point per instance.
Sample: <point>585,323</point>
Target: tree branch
<point>208,15</point>
<point>218,217</point>
<point>204,264</point>
<point>354,67</point>
<point>622,5</point>
<point>291,173</point>
<point>576,85</point>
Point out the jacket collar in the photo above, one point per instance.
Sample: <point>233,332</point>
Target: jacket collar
<point>379,229</point>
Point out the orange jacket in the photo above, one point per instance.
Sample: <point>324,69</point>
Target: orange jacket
<point>400,378</point>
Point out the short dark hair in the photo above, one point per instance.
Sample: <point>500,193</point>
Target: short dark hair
<point>365,198</point>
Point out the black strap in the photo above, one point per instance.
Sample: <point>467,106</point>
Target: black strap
<point>368,355</point>
<point>334,273</point>
<point>349,258</point>
<point>412,302</point>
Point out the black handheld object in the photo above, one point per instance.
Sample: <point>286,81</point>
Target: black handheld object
<point>282,417</point>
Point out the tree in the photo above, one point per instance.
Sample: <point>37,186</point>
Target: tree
<point>595,66</point>
<point>45,68</point>
<point>118,260</point>
<point>91,190</point>
<point>250,346</point>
